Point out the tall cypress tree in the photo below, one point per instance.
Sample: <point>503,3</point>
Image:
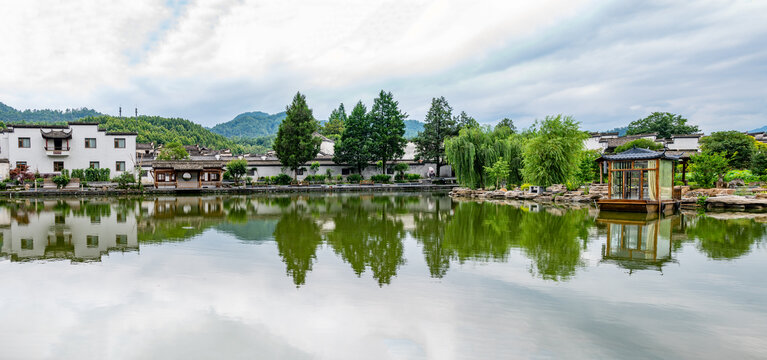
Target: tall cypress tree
<point>295,143</point>
<point>430,143</point>
<point>334,127</point>
<point>388,129</point>
<point>354,146</point>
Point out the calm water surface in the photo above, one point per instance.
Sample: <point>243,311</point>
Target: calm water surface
<point>394,276</point>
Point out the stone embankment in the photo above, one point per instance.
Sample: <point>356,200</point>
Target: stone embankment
<point>553,194</point>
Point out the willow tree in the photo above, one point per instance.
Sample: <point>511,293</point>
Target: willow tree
<point>553,151</point>
<point>476,148</point>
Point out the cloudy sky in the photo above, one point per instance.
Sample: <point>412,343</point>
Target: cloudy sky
<point>604,62</point>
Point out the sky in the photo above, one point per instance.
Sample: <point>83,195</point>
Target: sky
<point>606,63</point>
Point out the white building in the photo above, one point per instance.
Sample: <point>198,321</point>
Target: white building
<point>48,149</point>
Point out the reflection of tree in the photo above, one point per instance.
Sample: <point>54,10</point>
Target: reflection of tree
<point>488,231</point>
<point>297,237</point>
<point>725,239</point>
<point>553,242</point>
<point>364,239</point>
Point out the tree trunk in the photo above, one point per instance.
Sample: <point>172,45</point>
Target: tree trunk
<point>439,164</point>
<point>295,174</point>
<point>383,167</point>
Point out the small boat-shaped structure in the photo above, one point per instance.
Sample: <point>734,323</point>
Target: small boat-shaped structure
<point>639,180</point>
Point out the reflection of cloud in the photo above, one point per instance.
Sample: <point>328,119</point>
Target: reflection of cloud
<point>605,63</point>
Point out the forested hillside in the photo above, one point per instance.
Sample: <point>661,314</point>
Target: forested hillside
<point>250,124</point>
<point>11,115</point>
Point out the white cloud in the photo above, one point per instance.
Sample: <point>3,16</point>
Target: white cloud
<point>606,63</point>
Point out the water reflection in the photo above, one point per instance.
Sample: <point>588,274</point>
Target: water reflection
<point>636,241</point>
<point>368,232</point>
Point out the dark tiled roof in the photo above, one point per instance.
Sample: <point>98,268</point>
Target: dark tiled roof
<point>188,165</point>
<point>56,134</point>
<point>639,154</point>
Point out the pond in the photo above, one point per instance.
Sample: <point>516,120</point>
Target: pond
<point>374,276</point>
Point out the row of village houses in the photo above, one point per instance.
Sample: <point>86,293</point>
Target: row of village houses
<point>48,149</point>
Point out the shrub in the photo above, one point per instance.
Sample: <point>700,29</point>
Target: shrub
<point>702,200</point>
<point>708,167</point>
<point>61,180</point>
<point>744,175</point>
<point>125,180</point>
<point>525,186</point>
<point>237,168</point>
<point>572,185</point>
<point>3,185</point>
<point>381,178</point>
<point>282,179</point>
<point>354,178</point>
<point>413,177</point>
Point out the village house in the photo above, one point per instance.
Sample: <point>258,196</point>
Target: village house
<point>49,149</point>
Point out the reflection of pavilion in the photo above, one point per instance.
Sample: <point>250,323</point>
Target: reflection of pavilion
<point>636,241</point>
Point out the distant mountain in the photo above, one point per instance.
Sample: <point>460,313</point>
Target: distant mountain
<point>259,124</point>
<point>761,129</point>
<point>412,127</point>
<point>250,124</point>
<point>11,115</point>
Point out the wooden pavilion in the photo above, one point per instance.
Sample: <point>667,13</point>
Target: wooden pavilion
<point>187,174</point>
<point>639,180</point>
<point>637,241</point>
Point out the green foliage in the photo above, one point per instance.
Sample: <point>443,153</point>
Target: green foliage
<point>725,239</point>
<point>165,130</point>
<point>639,143</point>
<point>314,166</point>
<point>11,115</point>
<point>588,168</point>
<point>381,178</point>
<point>281,179</point>
<point>440,125</point>
<point>251,125</point>
<point>663,123</point>
<point>552,154</point>
<point>173,151</point>
<point>354,178</point>
<point>525,186</point>
<point>237,168</point>
<point>737,146</point>
<point>62,180</point>
<point>334,127</point>
<point>498,172</point>
<point>413,177</point>
<point>387,136</point>
<point>701,200</point>
<point>506,125</point>
<point>354,148</point>
<point>124,180</point>
<point>759,161</point>
<point>746,175</point>
<point>464,121</point>
<point>295,143</point>
<point>477,147</point>
<point>707,167</point>
<point>572,185</point>
<point>400,168</point>
<point>315,178</point>
<point>253,145</point>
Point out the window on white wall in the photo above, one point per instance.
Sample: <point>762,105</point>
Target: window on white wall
<point>24,142</point>
<point>119,143</point>
<point>120,165</point>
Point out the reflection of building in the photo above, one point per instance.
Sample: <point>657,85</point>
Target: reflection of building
<point>636,242</point>
<point>66,230</point>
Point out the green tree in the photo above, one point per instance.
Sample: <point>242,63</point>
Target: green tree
<point>477,147</point>
<point>708,167</point>
<point>663,123</point>
<point>440,125</point>
<point>354,148</point>
<point>173,151</point>
<point>738,147</point>
<point>334,127</point>
<point>588,168</point>
<point>506,125</point>
<point>464,121</point>
<point>759,161</point>
<point>387,129</point>
<point>295,143</point>
<point>639,143</point>
<point>499,171</point>
<point>237,168</point>
<point>553,152</point>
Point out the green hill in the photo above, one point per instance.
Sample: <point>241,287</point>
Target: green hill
<point>250,124</point>
<point>11,115</point>
<point>412,127</point>
<point>260,124</point>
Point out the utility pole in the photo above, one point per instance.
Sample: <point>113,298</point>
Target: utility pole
<point>136,111</point>
<point>120,112</point>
